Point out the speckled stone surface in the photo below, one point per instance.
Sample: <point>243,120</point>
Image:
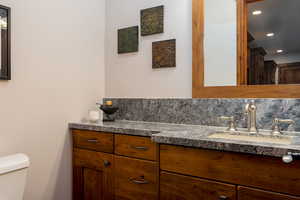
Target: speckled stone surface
<point>187,135</point>
<point>137,128</point>
<point>201,140</point>
<point>120,127</point>
<point>207,111</point>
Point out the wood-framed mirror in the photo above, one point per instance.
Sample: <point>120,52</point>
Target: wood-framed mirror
<point>235,74</point>
<point>5,40</point>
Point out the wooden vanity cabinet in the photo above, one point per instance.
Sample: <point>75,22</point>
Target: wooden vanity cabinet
<point>94,141</point>
<point>265,173</point>
<point>92,175</point>
<point>109,166</point>
<point>245,193</point>
<point>179,187</point>
<point>135,179</point>
<point>136,147</point>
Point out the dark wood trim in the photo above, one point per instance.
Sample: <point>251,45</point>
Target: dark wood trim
<point>288,68</point>
<point>289,64</point>
<point>7,76</point>
<point>242,42</point>
<point>240,91</point>
<point>9,45</point>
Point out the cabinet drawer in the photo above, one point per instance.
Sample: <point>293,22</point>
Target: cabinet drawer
<point>135,179</point>
<point>245,193</point>
<point>91,140</point>
<point>173,187</point>
<point>268,173</point>
<point>136,147</point>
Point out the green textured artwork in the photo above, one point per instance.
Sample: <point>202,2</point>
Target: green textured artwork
<point>128,40</point>
<point>152,21</point>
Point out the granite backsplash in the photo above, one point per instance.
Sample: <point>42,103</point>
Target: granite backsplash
<point>206,111</point>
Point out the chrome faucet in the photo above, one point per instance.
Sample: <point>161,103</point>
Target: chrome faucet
<point>231,124</point>
<point>276,125</point>
<point>250,110</point>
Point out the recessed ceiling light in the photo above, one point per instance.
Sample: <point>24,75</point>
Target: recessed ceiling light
<point>279,51</point>
<point>270,34</point>
<point>256,12</point>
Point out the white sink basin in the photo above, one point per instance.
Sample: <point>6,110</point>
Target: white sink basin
<point>285,140</point>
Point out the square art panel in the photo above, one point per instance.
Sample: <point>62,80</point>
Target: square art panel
<point>152,21</point>
<point>164,54</point>
<point>128,40</point>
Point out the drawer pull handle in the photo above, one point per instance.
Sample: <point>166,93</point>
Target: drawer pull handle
<point>140,182</point>
<point>140,148</point>
<point>92,140</point>
<point>222,197</point>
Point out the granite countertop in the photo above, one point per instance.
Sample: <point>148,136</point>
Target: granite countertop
<point>189,136</point>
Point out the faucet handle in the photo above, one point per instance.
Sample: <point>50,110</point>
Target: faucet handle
<point>276,125</point>
<point>231,124</point>
<point>250,106</point>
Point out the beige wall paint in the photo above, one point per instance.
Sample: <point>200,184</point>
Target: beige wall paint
<point>57,73</point>
<point>131,75</point>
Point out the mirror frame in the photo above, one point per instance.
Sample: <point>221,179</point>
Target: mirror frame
<point>241,90</point>
<point>7,76</point>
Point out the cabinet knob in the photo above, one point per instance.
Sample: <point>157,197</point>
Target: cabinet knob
<point>287,159</point>
<point>106,163</point>
<point>222,197</point>
<point>290,157</point>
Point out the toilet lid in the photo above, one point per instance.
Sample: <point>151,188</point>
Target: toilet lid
<point>13,162</point>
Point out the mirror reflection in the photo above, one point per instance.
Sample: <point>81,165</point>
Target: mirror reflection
<point>273,42</point>
<point>220,42</point>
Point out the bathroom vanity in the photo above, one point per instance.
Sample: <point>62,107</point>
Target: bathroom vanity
<point>134,160</point>
<point>114,165</point>
<point>143,160</point>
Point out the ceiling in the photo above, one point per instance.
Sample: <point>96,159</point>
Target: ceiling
<point>281,17</point>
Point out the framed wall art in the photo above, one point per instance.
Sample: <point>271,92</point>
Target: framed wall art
<point>152,21</point>
<point>128,40</point>
<point>164,54</point>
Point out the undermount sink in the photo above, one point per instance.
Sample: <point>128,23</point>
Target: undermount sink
<point>240,136</point>
<point>274,136</point>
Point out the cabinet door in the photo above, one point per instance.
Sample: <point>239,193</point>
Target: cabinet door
<point>92,175</point>
<point>135,179</point>
<point>179,187</point>
<point>245,193</point>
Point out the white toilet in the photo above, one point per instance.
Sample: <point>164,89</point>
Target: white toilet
<point>13,171</point>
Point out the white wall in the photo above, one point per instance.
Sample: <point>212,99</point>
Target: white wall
<point>57,73</point>
<point>131,75</point>
<point>220,42</point>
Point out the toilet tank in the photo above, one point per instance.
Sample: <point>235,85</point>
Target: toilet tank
<point>13,171</point>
